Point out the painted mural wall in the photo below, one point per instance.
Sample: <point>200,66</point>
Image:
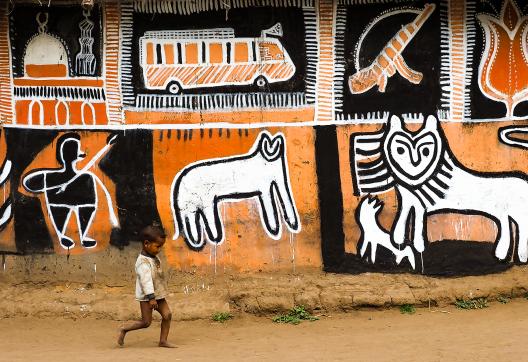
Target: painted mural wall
<point>346,135</point>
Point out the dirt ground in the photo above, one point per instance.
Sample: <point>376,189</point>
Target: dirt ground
<point>497,333</point>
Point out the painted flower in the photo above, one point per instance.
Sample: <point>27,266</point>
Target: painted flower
<point>503,70</point>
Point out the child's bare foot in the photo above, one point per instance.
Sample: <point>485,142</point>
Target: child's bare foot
<point>166,345</point>
<point>121,338</point>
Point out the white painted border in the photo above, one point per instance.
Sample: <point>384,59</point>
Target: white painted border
<point>11,75</point>
<point>185,7</point>
<point>339,59</point>
<point>312,51</point>
<point>471,33</point>
<point>445,56</point>
<point>125,55</point>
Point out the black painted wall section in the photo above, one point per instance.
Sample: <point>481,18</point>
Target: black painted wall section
<point>31,231</point>
<point>129,166</point>
<point>330,197</point>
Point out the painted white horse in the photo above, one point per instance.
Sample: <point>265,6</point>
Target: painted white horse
<point>262,173</point>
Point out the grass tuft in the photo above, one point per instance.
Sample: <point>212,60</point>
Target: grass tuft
<point>295,316</point>
<point>475,303</point>
<point>222,317</point>
<point>503,299</point>
<point>407,309</point>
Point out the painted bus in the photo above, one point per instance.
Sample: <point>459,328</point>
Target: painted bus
<point>176,60</point>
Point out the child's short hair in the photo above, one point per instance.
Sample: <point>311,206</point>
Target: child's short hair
<point>151,233</point>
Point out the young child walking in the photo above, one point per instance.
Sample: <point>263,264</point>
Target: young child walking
<point>151,288</point>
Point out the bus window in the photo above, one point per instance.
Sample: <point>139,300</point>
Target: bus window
<point>270,51</point>
<point>228,52</point>
<point>180,56</point>
<point>169,53</point>
<point>204,58</point>
<point>150,53</point>
<point>254,50</point>
<point>159,56</point>
<point>215,53</point>
<point>191,53</point>
<point>241,52</point>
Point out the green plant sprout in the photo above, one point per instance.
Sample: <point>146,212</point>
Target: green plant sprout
<point>407,309</point>
<point>295,316</point>
<point>475,303</point>
<point>222,317</point>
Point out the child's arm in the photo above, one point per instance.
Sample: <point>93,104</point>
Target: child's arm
<point>147,285</point>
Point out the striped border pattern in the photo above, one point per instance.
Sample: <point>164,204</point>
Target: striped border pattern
<point>325,72</point>
<point>339,65</point>
<point>185,7</point>
<point>219,101</point>
<point>6,87</point>
<point>457,57</point>
<point>125,65</point>
<point>312,48</point>
<point>445,62</point>
<point>112,74</point>
<point>65,93</point>
<point>471,33</point>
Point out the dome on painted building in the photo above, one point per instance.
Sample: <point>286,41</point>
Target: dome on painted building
<point>45,56</point>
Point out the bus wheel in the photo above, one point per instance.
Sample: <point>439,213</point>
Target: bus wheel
<point>174,87</point>
<point>261,81</point>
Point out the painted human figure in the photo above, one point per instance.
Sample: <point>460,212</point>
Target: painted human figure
<point>69,190</point>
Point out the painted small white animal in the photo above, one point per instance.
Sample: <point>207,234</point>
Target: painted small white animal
<point>262,173</point>
<point>373,234</point>
<point>429,180</point>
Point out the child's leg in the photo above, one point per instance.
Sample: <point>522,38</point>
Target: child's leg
<point>166,316</point>
<point>146,319</point>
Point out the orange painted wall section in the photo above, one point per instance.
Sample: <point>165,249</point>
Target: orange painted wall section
<point>241,117</point>
<point>247,247</point>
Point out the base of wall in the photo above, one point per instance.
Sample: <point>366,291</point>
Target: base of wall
<point>196,297</point>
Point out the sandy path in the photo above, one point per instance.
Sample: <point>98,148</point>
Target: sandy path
<point>497,333</point>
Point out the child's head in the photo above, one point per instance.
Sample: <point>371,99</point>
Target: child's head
<point>153,239</point>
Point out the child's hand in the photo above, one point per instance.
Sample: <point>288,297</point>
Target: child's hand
<point>153,304</point>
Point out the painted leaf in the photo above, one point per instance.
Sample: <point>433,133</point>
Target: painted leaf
<point>503,71</point>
